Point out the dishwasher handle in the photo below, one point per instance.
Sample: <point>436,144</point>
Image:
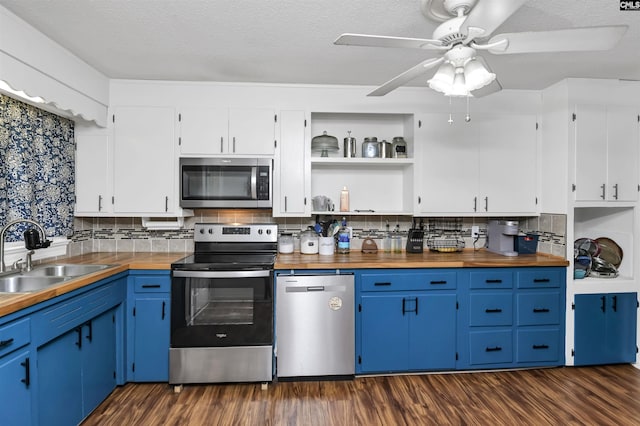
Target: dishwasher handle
<point>316,288</point>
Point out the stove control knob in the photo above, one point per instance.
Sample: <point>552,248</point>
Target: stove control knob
<point>268,231</point>
<point>211,230</point>
<point>259,231</point>
<point>202,231</point>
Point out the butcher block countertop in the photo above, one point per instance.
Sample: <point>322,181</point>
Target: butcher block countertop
<point>12,302</point>
<point>465,259</point>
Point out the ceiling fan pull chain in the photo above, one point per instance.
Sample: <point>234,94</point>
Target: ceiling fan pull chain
<point>467,117</point>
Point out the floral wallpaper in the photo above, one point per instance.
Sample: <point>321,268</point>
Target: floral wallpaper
<point>37,169</point>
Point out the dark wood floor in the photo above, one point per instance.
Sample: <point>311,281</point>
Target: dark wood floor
<point>608,395</point>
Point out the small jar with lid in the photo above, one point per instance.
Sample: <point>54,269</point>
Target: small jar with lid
<point>309,241</point>
<point>399,148</point>
<point>285,243</point>
<point>370,147</point>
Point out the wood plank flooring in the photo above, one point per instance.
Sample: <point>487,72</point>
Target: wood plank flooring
<point>606,395</point>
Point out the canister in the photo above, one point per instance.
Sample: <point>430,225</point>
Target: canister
<point>370,147</point>
<point>399,147</point>
<point>309,242</point>
<point>384,149</point>
<point>285,243</point>
<point>349,146</point>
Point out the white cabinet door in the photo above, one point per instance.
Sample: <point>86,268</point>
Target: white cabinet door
<point>289,181</point>
<point>622,154</point>
<point>144,162</point>
<point>203,131</point>
<point>591,152</point>
<point>251,131</point>
<point>448,167</point>
<point>93,172</point>
<point>507,163</point>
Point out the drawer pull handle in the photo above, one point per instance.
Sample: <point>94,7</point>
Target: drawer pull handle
<point>438,282</point>
<point>493,281</point>
<point>493,311</point>
<point>540,310</point>
<point>541,280</point>
<point>150,285</point>
<point>7,342</point>
<point>494,349</point>
<point>381,284</point>
<point>540,346</point>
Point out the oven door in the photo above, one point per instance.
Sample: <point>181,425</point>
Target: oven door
<point>221,308</point>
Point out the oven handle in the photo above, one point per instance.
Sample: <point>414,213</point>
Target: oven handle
<point>254,183</point>
<point>221,274</point>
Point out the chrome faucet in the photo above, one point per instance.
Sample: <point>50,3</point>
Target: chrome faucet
<point>4,230</point>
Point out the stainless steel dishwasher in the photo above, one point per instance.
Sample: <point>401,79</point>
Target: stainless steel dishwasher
<point>315,325</point>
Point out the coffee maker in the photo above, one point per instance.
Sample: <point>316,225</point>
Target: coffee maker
<point>501,235</point>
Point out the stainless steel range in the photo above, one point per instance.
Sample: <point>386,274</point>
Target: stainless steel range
<point>222,306</point>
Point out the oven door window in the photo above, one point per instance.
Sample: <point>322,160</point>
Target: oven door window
<point>217,182</point>
<point>220,304</point>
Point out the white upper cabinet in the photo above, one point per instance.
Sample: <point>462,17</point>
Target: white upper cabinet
<point>203,131</point>
<point>291,180</point>
<point>606,153</point>
<point>486,166</point>
<point>93,171</point>
<point>145,168</point>
<point>224,131</point>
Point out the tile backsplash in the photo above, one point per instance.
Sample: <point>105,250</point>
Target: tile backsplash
<point>128,235</point>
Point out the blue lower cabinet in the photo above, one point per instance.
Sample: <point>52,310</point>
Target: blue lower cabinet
<point>151,340</point>
<point>406,331</point>
<point>15,388</point>
<point>76,371</point>
<point>605,328</point>
<point>149,329</point>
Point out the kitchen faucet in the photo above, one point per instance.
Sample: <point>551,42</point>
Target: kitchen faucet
<point>4,230</point>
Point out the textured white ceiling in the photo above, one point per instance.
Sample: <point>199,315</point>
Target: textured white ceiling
<point>291,41</point>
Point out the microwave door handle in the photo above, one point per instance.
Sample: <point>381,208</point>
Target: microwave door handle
<point>254,183</point>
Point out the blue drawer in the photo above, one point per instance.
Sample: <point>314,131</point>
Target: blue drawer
<point>409,281</point>
<point>151,284</point>
<point>490,309</point>
<point>539,308</point>
<point>14,335</point>
<point>538,345</point>
<point>491,279</point>
<point>491,347</point>
<point>540,278</point>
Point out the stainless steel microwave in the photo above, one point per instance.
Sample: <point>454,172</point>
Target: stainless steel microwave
<point>226,182</point>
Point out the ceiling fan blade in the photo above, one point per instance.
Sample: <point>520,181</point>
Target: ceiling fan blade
<point>490,88</point>
<point>490,14</point>
<point>384,41</point>
<point>406,76</point>
<point>569,40</point>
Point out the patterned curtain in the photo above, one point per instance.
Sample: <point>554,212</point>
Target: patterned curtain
<point>37,169</point>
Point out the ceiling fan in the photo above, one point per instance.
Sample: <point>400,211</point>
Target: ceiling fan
<point>466,28</point>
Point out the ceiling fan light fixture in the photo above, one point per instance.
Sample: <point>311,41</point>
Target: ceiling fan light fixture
<point>476,75</point>
<point>442,80</point>
<point>459,87</point>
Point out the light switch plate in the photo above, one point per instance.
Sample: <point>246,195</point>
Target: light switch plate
<point>475,231</point>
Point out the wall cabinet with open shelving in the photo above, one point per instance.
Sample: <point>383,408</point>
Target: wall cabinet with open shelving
<point>376,185</point>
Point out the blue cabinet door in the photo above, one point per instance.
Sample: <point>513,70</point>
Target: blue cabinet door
<point>59,380</point>
<point>620,328</point>
<point>98,360</point>
<point>605,328</point>
<point>15,389</point>
<point>384,333</point>
<point>151,340</point>
<point>432,332</point>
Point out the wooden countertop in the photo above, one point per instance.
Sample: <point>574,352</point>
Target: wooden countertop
<point>465,259</point>
<point>12,302</point>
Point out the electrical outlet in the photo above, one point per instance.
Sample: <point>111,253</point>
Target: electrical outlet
<point>475,231</point>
